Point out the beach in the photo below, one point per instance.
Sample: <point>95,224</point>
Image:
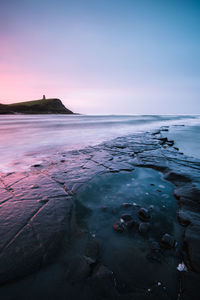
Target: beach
<point>100,207</point>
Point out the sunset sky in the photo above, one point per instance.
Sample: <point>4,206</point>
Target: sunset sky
<point>102,56</point>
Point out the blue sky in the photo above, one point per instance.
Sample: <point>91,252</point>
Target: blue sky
<point>102,56</point>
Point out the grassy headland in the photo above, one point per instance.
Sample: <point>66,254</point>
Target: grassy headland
<point>43,106</point>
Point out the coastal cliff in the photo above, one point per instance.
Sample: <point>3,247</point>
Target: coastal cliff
<point>44,106</point>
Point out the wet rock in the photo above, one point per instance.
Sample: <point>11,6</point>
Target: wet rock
<point>155,246</point>
<point>183,218</point>
<point>92,249</point>
<point>163,140</point>
<point>156,132</point>
<point>192,240</point>
<point>78,269</point>
<point>102,283</point>
<point>177,178</point>
<point>168,241</point>
<point>170,143</point>
<point>126,217</point>
<point>144,227</point>
<point>152,184</point>
<point>130,224</point>
<point>144,214</point>
<point>44,200</point>
<point>119,227</point>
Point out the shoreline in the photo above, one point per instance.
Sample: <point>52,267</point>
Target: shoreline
<point>54,185</point>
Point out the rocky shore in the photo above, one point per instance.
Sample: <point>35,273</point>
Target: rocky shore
<point>49,236</point>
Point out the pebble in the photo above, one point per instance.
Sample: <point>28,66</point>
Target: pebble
<point>144,227</point>
<point>144,214</point>
<point>118,227</point>
<point>168,241</point>
<point>130,224</point>
<point>182,267</point>
<point>126,217</point>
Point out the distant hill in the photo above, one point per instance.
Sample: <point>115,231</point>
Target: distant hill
<point>44,106</point>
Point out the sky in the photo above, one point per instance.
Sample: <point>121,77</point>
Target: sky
<point>102,56</point>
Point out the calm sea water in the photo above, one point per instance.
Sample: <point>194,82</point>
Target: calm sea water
<point>25,136</point>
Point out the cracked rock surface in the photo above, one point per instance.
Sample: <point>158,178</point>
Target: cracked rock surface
<point>37,214</point>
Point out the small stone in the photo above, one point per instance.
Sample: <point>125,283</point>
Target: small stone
<point>144,227</point>
<point>182,267</point>
<point>152,184</point>
<point>130,224</point>
<point>117,226</point>
<point>168,241</point>
<point>126,217</point>
<point>144,214</point>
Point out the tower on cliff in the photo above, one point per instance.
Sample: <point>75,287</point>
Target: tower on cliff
<point>44,98</point>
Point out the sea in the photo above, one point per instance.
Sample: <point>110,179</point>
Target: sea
<point>27,138</point>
